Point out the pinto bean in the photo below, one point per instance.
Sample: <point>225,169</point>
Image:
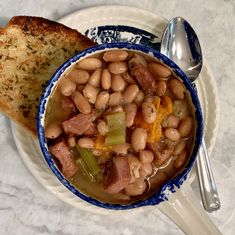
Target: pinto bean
<point>159,70</point>
<point>161,87</point>
<point>115,98</point>
<point>180,160</point>
<point>146,156</point>
<point>53,130</point>
<point>102,127</point>
<point>135,165</point>
<point>90,92</point>
<point>178,149</point>
<point>130,93</point>
<point>128,78</point>
<point>89,64</point>
<point>177,88</point>
<point>118,83</point>
<point>79,76</point>
<point>163,79</point>
<point>138,139</point>
<point>139,98</point>
<point>67,87</point>
<point>149,99</point>
<point>149,112</point>
<point>133,161</point>
<point>106,79</point>
<point>136,188</point>
<point>169,144</point>
<point>147,169</point>
<point>117,108</point>
<point>121,148</point>
<point>118,67</point>
<point>86,143</point>
<point>95,77</point>
<point>81,102</point>
<point>172,134</point>
<point>130,111</point>
<point>102,100</point>
<point>171,121</point>
<point>181,109</point>
<point>115,56</point>
<point>186,126</point>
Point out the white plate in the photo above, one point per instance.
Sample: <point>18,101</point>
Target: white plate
<point>125,16</point>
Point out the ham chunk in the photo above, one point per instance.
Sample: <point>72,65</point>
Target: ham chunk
<point>92,130</point>
<point>67,106</point>
<point>162,153</point>
<point>144,78</point>
<point>78,124</point>
<point>117,176</point>
<point>67,103</point>
<point>62,153</point>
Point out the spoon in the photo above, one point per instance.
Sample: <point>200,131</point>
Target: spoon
<point>180,43</point>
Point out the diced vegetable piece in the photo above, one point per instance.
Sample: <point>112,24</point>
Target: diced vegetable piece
<point>116,129</point>
<point>83,169</point>
<point>87,162</point>
<point>117,136</point>
<point>116,120</point>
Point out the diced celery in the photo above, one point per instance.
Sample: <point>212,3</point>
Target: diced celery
<point>117,132</point>
<point>83,169</point>
<point>116,129</point>
<point>115,137</point>
<point>116,120</point>
<point>88,163</point>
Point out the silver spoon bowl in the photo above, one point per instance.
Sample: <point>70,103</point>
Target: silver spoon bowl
<point>180,43</point>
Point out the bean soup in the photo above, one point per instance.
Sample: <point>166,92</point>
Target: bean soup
<point>119,125</point>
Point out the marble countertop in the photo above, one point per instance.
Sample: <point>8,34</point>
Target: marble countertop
<point>26,207</point>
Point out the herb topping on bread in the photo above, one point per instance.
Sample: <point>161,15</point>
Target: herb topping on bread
<point>31,49</point>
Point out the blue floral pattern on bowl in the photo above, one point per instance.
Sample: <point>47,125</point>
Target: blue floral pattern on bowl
<point>122,33</point>
<point>168,187</point>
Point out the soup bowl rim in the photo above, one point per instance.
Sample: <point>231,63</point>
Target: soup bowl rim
<point>169,186</point>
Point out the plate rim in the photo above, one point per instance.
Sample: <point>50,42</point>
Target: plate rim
<point>14,127</point>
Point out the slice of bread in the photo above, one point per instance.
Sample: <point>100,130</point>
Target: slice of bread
<point>31,49</point>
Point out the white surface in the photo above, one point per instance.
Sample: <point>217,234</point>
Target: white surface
<point>27,208</point>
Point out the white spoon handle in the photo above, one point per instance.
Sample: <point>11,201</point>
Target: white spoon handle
<point>209,193</point>
<point>184,209</point>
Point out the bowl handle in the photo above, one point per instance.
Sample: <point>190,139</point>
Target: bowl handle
<point>184,209</point>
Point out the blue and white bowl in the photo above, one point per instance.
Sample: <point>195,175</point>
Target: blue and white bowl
<point>171,185</point>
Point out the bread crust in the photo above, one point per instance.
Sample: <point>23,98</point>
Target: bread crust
<point>39,26</point>
<point>31,49</point>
